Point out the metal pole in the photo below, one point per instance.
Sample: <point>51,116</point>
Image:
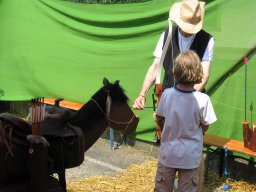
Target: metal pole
<point>245,86</point>
<point>111,138</point>
<point>226,186</point>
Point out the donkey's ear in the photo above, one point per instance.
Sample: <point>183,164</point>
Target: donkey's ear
<point>116,83</point>
<point>105,82</point>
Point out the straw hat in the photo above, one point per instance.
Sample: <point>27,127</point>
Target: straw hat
<point>188,15</point>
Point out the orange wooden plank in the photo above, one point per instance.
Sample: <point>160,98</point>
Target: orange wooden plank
<point>215,140</point>
<point>66,104</point>
<point>238,146</point>
<point>232,145</point>
<point>49,101</point>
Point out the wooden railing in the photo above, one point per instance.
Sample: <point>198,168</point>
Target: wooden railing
<point>66,104</point>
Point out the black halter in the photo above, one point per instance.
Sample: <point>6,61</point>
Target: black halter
<point>107,115</point>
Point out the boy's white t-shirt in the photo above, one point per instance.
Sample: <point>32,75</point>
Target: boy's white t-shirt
<point>182,136</point>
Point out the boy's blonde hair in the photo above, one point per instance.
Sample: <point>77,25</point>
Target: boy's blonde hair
<point>187,68</point>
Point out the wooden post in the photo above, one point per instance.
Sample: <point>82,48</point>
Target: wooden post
<point>253,138</point>
<point>246,133</point>
<point>249,135</point>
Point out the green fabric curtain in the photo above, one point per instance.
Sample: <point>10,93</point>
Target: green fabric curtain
<point>235,38</point>
<point>229,102</point>
<point>55,48</point>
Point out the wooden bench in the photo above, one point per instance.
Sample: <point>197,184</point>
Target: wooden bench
<point>221,143</point>
<point>232,145</point>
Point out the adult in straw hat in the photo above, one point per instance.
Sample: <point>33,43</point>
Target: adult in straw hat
<point>187,34</point>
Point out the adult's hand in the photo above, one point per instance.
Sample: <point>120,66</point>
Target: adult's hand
<point>150,77</point>
<point>139,102</point>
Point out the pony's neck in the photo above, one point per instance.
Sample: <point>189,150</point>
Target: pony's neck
<point>93,134</point>
<point>92,120</point>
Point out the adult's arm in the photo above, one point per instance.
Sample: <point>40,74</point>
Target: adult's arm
<point>150,78</point>
<point>206,64</point>
<point>206,70</point>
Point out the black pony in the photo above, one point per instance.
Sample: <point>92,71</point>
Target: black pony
<point>69,136</point>
<point>107,108</point>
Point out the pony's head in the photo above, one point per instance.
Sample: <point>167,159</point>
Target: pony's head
<point>113,90</point>
<point>107,108</point>
<point>117,111</point>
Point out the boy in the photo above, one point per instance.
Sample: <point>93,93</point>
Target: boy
<point>185,115</point>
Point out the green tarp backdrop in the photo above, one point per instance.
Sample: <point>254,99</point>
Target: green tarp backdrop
<point>55,48</point>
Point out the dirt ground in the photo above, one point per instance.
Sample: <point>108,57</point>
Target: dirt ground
<point>131,169</point>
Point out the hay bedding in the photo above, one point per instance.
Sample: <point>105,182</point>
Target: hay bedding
<point>140,178</point>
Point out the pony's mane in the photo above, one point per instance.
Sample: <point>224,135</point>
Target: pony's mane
<point>90,112</point>
<point>115,91</point>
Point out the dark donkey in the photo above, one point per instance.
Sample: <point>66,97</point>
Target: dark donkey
<point>69,137</point>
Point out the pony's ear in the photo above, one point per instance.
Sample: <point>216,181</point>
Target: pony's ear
<point>105,82</point>
<point>116,83</point>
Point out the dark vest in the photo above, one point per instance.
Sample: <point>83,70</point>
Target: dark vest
<point>199,46</point>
